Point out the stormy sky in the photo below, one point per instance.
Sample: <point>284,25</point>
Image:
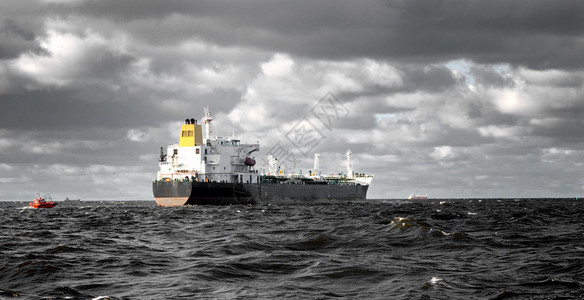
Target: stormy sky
<point>445,98</point>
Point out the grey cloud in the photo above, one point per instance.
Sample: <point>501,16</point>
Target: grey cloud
<point>17,38</point>
<point>564,132</point>
<point>62,109</point>
<point>431,78</point>
<point>488,77</point>
<point>12,28</point>
<point>93,106</point>
<point>21,26</point>
<point>152,78</point>
<point>539,34</point>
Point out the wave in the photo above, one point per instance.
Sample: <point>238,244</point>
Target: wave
<point>460,249</point>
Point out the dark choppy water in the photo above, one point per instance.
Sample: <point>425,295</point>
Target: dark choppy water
<point>432,249</point>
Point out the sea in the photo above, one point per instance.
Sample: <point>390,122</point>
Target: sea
<point>378,249</point>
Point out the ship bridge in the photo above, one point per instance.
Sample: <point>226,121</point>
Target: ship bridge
<point>207,159</point>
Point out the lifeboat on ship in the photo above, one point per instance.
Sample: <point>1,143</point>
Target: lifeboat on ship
<point>40,202</point>
<point>250,161</point>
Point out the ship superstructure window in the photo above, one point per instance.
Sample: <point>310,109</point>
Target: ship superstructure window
<point>197,151</point>
<point>175,152</point>
<point>187,133</point>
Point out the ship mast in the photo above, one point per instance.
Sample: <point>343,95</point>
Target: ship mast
<point>316,163</point>
<point>349,165</point>
<point>207,118</point>
<point>273,167</point>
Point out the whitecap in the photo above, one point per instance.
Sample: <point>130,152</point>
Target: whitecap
<point>435,280</point>
<point>444,233</point>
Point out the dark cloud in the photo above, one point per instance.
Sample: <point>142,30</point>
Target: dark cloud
<point>537,34</point>
<point>16,38</point>
<point>97,107</point>
<point>488,76</point>
<point>62,109</point>
<point>561,131</point>
<point>12,28</point>
<point>432,79</point>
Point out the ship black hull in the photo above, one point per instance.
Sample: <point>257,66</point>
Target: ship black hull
<point>177,193</point>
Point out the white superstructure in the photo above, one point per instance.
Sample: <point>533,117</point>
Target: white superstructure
<point>207,159</point>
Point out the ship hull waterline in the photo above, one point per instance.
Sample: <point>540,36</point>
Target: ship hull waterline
<point>178,193</point>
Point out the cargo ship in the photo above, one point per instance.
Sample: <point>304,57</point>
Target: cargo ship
<point>213,170</point>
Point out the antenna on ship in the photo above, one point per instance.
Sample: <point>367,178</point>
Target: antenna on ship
<point>272,165</point>
<point>316,164</point>
<point>207,118</point>
<point>349,165</point>
<point>162,155</point>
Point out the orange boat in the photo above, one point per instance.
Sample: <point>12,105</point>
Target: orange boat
<point>40,202</point>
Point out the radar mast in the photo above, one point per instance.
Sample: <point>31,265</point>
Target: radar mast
<point>207,118</point>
